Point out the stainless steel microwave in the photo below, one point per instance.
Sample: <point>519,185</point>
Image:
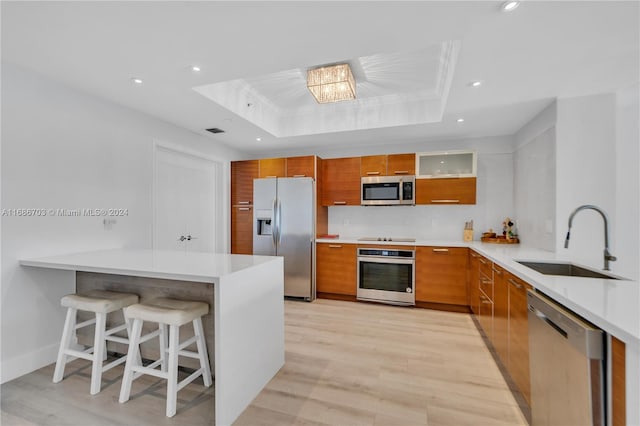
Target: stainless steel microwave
<point>388,190</point>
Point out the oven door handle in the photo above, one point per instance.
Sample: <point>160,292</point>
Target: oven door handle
<point>397,260</point>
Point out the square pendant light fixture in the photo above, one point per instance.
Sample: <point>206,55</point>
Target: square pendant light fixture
<point>333,83</point>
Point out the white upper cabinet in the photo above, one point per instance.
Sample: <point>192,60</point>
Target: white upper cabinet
<point>445,164</point>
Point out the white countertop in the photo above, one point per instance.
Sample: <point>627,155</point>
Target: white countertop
<point>613,305</point>
<point>174,265</point>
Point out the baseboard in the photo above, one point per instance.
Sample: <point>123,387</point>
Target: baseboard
<point>444,307</point>
<point>334,296</point>
<point>24,364</point>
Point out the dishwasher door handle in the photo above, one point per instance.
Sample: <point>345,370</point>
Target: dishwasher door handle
<point>549,322</point>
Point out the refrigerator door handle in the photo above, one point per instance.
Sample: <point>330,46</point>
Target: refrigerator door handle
<point>274,222</point>
<point>279,221</point>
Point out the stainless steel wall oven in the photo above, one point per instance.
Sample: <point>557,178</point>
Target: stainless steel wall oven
<point>386,275</point>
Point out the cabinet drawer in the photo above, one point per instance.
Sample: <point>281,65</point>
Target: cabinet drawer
<point>486,267</point>
<point>486,286</point>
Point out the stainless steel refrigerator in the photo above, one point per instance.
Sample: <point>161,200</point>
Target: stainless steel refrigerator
<point>284,225</point>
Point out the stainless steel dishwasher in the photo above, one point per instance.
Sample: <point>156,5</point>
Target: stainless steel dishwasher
<point>567,366</point>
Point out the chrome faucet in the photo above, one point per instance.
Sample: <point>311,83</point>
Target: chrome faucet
<point>608,257</point>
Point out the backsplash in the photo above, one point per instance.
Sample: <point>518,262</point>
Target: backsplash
<point>494,203</point>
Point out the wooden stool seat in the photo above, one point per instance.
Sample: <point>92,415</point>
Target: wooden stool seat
<point>173,314</point>
<point>100,303</point>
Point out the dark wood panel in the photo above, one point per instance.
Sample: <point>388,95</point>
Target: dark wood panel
<point>401,164</point>
<point>519,334</point>
<point>618,383</point>
<point>500,315</point>
<point>242,175</point>
<point>301,166</point>
<point>341,181</point>
<point>242,230</point>
<point>336,268</point>
<point>441,275</point>
<point>446,191</point>
<point>473,281</point>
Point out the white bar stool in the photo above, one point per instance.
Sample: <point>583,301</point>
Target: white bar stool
<point>101,303</point>
<point>173,313</point>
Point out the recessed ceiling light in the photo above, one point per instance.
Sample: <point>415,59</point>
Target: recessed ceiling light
<point>195,68</point>
<point>508,6</point>
<point>136,80</point>
<point>258,139</point>
<point>476,83</point>
<point>460,120</point>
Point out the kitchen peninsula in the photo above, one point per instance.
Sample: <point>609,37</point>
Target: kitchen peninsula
<point>247,308</point>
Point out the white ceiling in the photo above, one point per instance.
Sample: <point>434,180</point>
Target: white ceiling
<point>542,50</point>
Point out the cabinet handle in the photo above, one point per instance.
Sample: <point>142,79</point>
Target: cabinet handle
<point>339,202</point>
<point>485,301</point>
<point>334,246</point>
<point>441,250</point>
<point>484,262</point>
<point>485,281</point>
<point>497,271</point>
<point>515,284</point>
<point>244,202</point>
<point>373,173</point>
<point>445,201</point>
<point>299,175</point>
<point>271,176</point>
<point>244,208</point>
<point>474,255</point>
<point>401,172</point>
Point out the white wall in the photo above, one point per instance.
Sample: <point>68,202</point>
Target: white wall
<point>586,174</point>
<point>627,214</point>
<point>65,149</point>
<point>494,196</point>
<point>534,169</point>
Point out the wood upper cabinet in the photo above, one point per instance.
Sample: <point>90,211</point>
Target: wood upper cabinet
<point>388,165</point>
<point>518,334</point>
<point>401,164</point>
<point>341,181</point>
<point>473,281</point>
<point>272,167</point>
<point>446,191</point>
<point>441,275</point>
<point>336,268</point>
<point>373,165</point>
<point>301,166</point>
<point>242,175</point>
<point>500,338</point>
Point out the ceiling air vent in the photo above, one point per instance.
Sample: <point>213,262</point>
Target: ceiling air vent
<point>215,130</point>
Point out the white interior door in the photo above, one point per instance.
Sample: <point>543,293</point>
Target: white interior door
<point>185,202</point>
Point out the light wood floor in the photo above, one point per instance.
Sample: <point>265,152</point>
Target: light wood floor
<point>346,364</point>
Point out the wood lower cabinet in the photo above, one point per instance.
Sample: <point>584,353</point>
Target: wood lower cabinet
<point>242,229</point>
<point>401,164</point>
<point>272,167</point>
<point>518,321</point>
<point>500,338</point>
<point>485,314</point>
<point>441,275</point>
<point>336,269</point>
<point>301,166</point>
<point>341,181</point>
<point>446,191</point>
<point>473,282</point>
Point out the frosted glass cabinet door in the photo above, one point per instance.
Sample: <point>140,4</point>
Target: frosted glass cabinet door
<point>446,164</point>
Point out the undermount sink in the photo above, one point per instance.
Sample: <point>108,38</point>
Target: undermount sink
<point>565,269</point>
